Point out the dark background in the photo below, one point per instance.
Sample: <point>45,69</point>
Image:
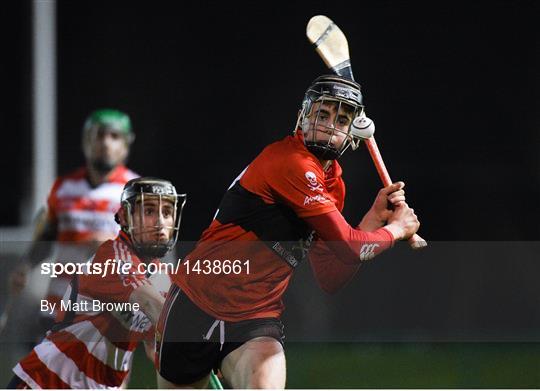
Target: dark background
<point>452,87</point>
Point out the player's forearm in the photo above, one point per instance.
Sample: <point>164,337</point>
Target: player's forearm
<point>331,274</point>
<point>149,300</point>
<point>350,245</point>
<point>152,308</point>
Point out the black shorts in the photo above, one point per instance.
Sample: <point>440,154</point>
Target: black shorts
<point>190,343</point>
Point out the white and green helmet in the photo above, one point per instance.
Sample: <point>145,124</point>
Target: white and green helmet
<point>110,120</point>
<point>114,119</point>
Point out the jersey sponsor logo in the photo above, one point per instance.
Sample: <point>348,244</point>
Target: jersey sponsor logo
<point>316,198</point>
<point>367,251</point>
<point>313,184</point>
<point>285,254</point>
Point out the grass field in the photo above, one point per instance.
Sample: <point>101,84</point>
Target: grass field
<point>406,365</point>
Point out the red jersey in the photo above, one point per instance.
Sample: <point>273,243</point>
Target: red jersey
<point>260,221</point>
<point>85,213</point>
<point>84,218</point>
<point>93,348</point>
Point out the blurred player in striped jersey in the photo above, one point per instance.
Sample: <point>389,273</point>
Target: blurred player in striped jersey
<point>91,348</point>
<point>80,209</point>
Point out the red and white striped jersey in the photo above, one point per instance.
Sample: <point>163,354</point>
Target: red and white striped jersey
<point>84,218</point>
<point>92,348</point>
<point>85,213</point>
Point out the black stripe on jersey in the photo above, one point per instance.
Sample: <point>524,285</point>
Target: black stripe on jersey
<point>275,224</point>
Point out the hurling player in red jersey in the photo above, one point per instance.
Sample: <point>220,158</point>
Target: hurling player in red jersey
<point>223,310</point>
<point>93,348</point>
<point>81,205</point>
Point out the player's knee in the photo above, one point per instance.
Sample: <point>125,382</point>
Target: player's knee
<point>258,364</point>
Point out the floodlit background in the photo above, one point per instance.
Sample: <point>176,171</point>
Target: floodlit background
<point>453,89</point>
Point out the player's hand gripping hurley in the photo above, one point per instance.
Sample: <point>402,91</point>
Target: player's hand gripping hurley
<point>332,46</point>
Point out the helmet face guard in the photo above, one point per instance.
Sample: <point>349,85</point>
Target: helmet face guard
<point>330,93</point>
<point>136,193</point>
